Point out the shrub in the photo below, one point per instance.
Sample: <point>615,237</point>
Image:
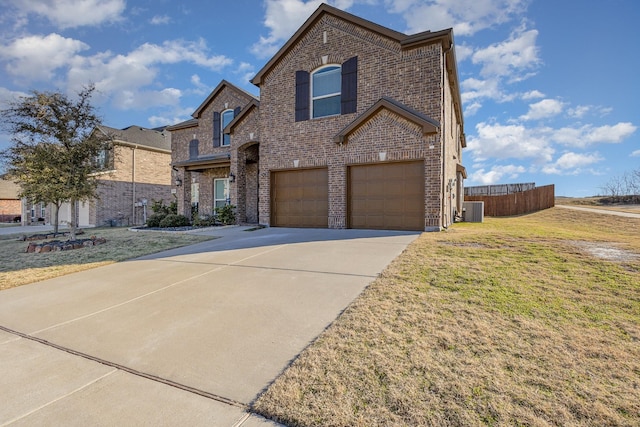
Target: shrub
<point>174,220</point>
<point>154,220</point>
<point>158,207</point>
<point>204,221</point>
<point>226,214</point>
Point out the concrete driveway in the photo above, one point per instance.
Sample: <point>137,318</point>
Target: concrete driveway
<point>186,337</point>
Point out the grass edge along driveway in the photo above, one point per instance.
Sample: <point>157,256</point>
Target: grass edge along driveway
<point>20,268</point>
<point>530,320</point>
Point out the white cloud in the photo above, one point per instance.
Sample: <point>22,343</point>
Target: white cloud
<point>466,17</point>
<point>474,89</point>
<point>635,153</point>
<point>7,96</point>
<point>176,115</point>
<point>582,110</point>
<point>73,13</point>
<point>588,134</point>
<point>136,69</point>
<point>571,163</point>
<point>134,99</point>
<point>472,109</point>
<point>282,18</point>
<point>463,52</point>
<point>496,174</point>
<point>160,20</point>
<point>509,141</point>
<point>37,57</point>
<point>511,58</point>
<point>532,94</point>
<point>543,109</point>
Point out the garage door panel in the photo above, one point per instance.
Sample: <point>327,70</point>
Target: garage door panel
<point>387,196</point>
<point>300,198</point>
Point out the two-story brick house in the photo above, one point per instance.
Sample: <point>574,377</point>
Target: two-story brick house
<point>136,170</point>
<point>357,126</point>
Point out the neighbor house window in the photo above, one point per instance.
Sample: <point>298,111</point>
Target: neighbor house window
<point>103,159</point>
<point>325,91</point>
<point>221,193</point>
<point>193,148</point>
<point>227,116</point>
<point>42,210</point>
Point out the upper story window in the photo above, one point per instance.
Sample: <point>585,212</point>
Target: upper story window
<point>104,160</point>
<point>325,91</point>
<point>227,116</point>
<point>328,91</point>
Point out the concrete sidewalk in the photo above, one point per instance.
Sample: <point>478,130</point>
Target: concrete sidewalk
<point>190,336</point>
<point>601,211</point>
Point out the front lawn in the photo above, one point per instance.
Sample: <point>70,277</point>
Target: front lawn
<point>19,268</point>
<point>530,320</point>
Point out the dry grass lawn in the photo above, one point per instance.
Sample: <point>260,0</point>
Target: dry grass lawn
<point>530,321</point>
<point>19,268</point>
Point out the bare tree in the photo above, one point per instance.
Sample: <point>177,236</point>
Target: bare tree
<point>54,148</point>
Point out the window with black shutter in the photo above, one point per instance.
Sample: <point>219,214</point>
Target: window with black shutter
<point>302,96</point>
<point>349,101</point>
<point>216,129</point>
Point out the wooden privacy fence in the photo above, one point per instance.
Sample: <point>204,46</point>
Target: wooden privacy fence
<point>517,203</point>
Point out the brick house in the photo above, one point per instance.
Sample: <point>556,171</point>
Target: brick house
<point>135,171</point>
<point>357,126</point>
<point>10,203</point>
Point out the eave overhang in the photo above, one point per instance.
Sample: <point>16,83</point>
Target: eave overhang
<point>205,162</point>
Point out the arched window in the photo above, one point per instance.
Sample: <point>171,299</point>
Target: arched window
<point>227,116</point>
<point>325,91</point>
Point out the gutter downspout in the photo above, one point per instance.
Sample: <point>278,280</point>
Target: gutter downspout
<point>444,132</point>
<point>133,184</point>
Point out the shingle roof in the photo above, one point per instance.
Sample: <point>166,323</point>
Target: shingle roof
<point>152,138</point>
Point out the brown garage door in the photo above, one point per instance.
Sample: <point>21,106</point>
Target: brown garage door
<point>300,198</point>
<point>387,196</point>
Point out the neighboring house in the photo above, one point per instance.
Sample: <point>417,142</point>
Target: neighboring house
<point>10,203</point>
<point>357,126</point>
<point>135,171</point>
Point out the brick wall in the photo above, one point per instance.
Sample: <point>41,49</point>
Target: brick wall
<point>412,77</point>
<point>226,98</point>
<point>9,209</point>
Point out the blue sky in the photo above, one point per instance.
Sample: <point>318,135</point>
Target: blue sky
<point>549,88</point>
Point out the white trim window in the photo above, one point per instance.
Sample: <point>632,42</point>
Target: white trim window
<point>221,196</point>
<point>225,118</point>
<point>326,86</point>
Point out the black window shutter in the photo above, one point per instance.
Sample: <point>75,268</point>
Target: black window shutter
<point>216,129</point>
<point>236,111</point>
<point>193,149</point>
<point>349,95</point>
<point>302,96</point>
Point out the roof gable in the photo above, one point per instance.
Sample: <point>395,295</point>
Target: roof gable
<point>428,124</point>
<point>196,114</point>
<point>405,41</point>
<point>243,113</point>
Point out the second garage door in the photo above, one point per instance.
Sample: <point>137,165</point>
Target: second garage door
<point>387,196</point>
<point>300,198</point>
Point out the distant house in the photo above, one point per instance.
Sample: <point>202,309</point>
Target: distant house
<point>135,171</point>
<point>10,203</point>
<point>356,126</point>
